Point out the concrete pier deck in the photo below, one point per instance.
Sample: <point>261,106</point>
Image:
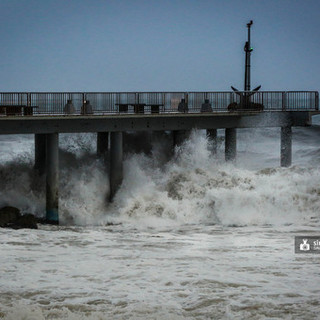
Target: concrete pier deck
<point>145,122</point>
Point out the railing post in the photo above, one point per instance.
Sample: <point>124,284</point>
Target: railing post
<point>164,101</point>
<point>28,99</point>
<point>231,98</point>
<point>118,100</point>
<point>283,101</point>
<point>317,100</point>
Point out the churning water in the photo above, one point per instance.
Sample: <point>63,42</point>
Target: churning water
<point>187,237</point>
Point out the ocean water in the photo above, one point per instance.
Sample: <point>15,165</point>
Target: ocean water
<point>188,236</point>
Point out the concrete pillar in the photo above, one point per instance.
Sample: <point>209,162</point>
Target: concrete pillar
<point>230,144</point>
<point>179,136</point>
<point>116,158</point>
<point>212,137</point>
<point>40,153</point>
<point>102,144</point>
<point>286,146</point>
<point>52,168</point>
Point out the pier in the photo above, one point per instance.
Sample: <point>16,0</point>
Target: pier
<point>46,115</point>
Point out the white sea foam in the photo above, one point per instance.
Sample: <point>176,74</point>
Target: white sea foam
<point>197,238</point>
<point>194,186</point>
<point>185,273</point>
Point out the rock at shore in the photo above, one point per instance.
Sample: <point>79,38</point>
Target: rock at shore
<point>10,217</point>
<point>26,221</point>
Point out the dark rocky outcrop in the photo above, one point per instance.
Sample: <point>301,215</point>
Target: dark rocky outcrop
<point>26,221</point>
<point>10,217</point>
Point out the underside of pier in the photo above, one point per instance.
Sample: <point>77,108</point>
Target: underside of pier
<point>133,122</point>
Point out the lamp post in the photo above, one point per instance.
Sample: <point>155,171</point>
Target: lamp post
<point>245,96</point>
<point>248,50</point>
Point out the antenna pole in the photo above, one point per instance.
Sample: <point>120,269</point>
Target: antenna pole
<point>247,49</point>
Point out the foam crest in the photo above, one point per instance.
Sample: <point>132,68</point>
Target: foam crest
<point>194,187</point>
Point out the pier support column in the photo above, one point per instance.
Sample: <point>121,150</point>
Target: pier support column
<point>52,168</point>
<point>40,153</point>
<point>230,144</point>
<point>179,136</point>
<point>102,144</point>
<point>286,146</point>
<point>212,136</point>
<point>116,157</point>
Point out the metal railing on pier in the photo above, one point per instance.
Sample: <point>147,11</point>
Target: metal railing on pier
<point>104,103</point>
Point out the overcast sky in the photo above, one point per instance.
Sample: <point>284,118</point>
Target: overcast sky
<point>162,45</point>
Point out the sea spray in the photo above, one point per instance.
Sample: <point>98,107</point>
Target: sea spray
<point>193,186</point>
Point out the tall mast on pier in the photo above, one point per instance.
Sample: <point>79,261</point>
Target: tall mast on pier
<point>248,50</point>
<point>245,96</point>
